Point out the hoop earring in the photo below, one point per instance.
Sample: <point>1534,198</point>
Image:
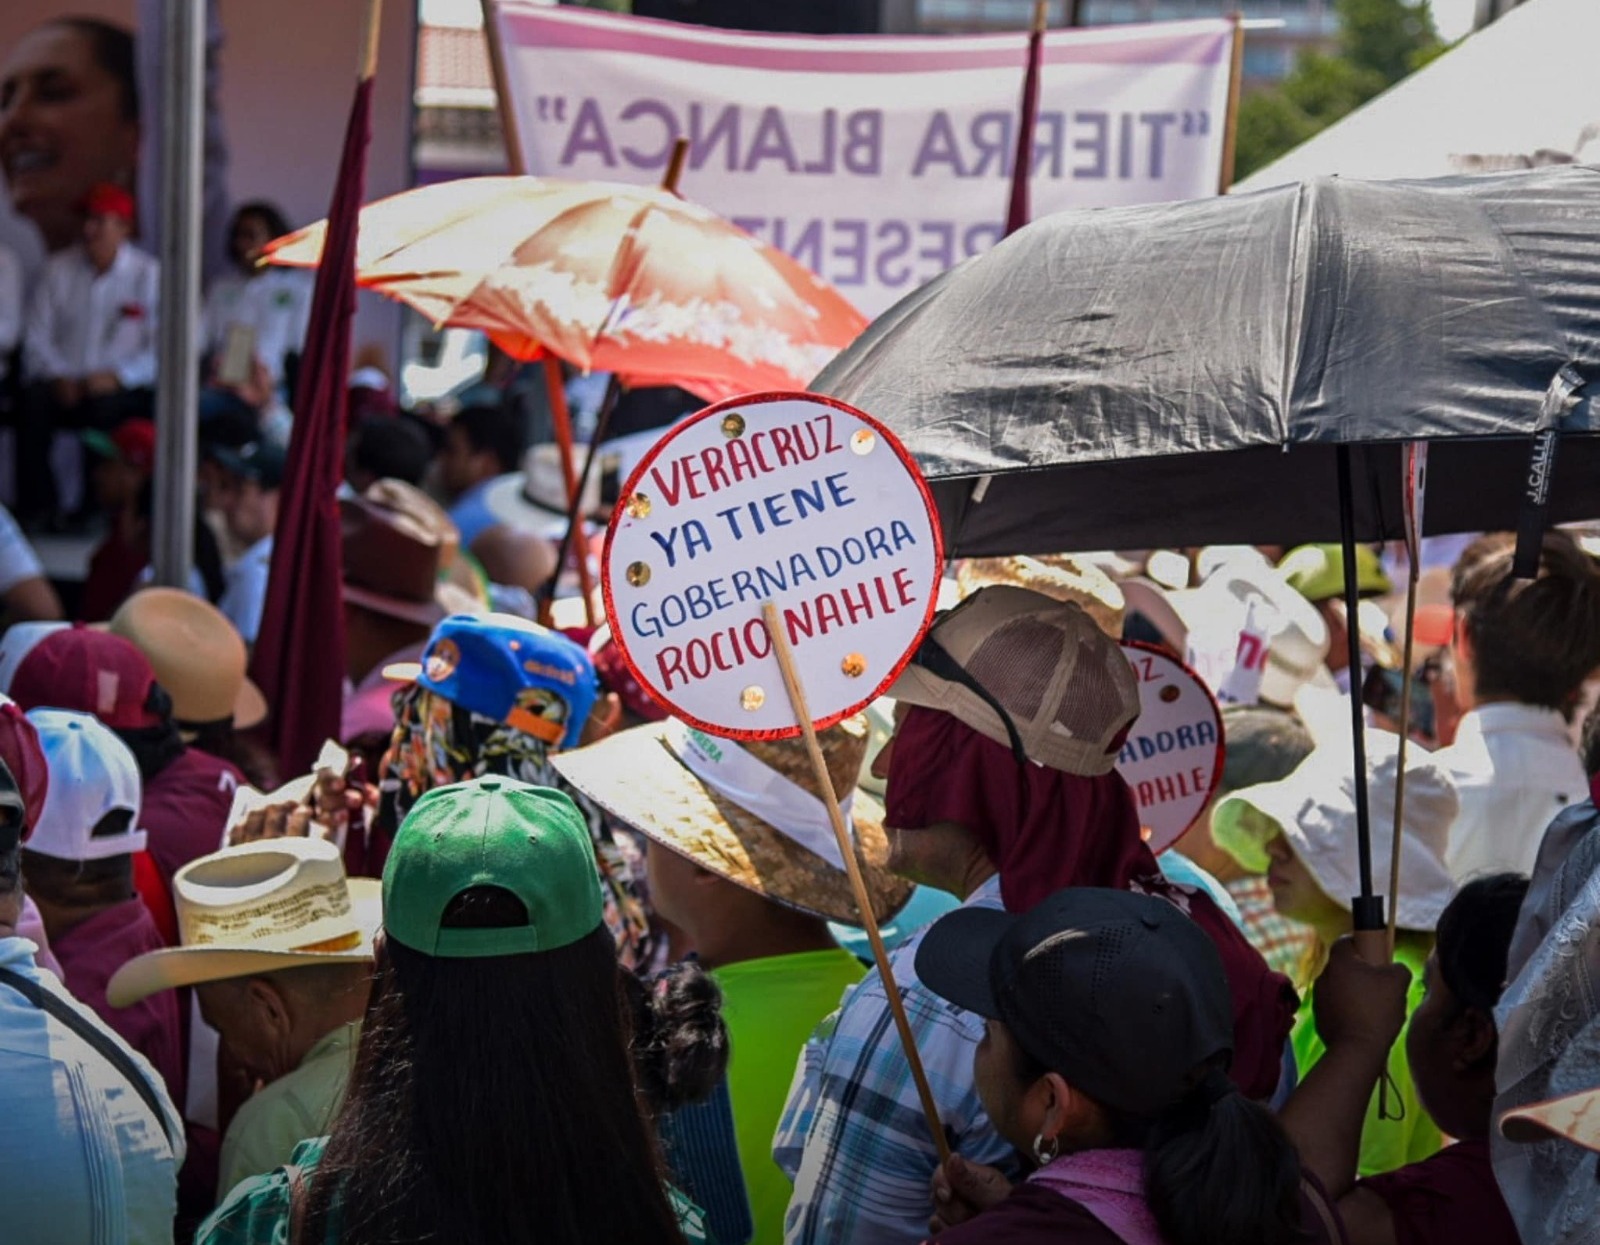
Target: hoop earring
<point>1046,1149</point>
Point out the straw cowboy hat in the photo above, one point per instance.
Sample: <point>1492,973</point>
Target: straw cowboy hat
<point>258,908</point>
<point>673,785</point>
<point>1058,576</point>
<point>196,654</point>
<point>1315,810</point>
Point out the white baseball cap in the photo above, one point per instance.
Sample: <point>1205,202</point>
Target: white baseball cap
<point>92,773</point>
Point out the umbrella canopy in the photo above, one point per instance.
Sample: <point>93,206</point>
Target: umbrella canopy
<point>615,278</point>
<point>1182,372</point>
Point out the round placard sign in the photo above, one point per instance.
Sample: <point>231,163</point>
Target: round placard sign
<point>1173,756</point>
<point>785,497</point>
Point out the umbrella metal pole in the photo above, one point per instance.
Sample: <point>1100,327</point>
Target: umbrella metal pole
<point>1366,908</point>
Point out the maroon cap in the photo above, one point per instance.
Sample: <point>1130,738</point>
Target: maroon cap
<point>92,672</point>
<point>22,755</point>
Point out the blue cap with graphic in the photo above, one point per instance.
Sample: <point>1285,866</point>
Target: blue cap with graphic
<point>513,671</point>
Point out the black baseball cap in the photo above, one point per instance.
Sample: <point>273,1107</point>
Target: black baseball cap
<point>1121,994</point>
<point>261,461</point>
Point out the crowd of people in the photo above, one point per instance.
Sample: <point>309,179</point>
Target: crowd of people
<point>232,1018</point>
<point>526,958</point>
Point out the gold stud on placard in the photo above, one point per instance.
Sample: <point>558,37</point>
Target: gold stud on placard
<point>1170,693</point>
<point>733,425</point>
<point>854,665</point>
<point>638,574</point>
<point>752,698</point>
<point>638,506</point>
<point>862,441</point>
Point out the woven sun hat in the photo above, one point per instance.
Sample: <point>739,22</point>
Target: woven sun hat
<point>196,654</point>
<point>749,812</point>
<point>258,908</point>
<point>1315,810</point>
<point>1057,576</point>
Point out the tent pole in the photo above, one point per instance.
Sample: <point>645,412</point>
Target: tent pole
<point>183,34</point>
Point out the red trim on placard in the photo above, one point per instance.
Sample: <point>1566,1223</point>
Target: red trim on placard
<point>1165,654</point>
<point>744,403</point>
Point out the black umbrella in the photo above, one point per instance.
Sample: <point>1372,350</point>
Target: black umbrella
<point>1184,372</point>
<point>1249,369</point>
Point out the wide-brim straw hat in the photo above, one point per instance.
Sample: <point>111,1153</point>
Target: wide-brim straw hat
<point>258,908</point>
<point>1058,576</point>
<point>637,777</point>
<point>1315,811</point>
<point>197,656</point>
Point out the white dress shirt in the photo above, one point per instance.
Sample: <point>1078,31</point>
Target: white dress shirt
<point>276,304</point>
<point>18,561</point>
<point>246,594</point>
<point>11,301</point>
<point>1515,768</point>
<point>83,321</point>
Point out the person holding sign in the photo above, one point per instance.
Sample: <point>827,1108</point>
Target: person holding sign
<point>1002,790</point>
<point>1302,830</point>
<point>743,860</point>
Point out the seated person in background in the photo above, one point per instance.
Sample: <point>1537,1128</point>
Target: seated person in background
<point>79,869</point>
<point>25,594</point>
<point>90,346</point>
<point>1139,1134</point>
<point>1451,1045</point>
<point>1303,831</point>
<point>261,305</point>
<point>290,1018</point>
<point>248,499</point>
<point>1263,744</point>
<point>386,447</point>
<point>481,444</point>
<point>124,460</point>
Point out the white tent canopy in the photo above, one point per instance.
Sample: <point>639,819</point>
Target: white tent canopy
<point>1522,91</point>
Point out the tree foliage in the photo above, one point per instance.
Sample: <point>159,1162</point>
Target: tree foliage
<point>1379,43</point>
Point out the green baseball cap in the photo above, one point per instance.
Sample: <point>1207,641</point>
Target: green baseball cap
<point>528,840</point>
<point>1316,572</point>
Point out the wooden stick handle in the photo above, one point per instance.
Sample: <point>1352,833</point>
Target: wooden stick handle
<point>847,849</point>
<point>372,28</point>
<point>1230,121</point>
<point>1406,680</point>
<point>561,419</point>
<point>1041,16</point>
<point>680,153</point>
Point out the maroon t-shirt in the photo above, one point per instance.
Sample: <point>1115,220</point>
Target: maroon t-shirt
<point>1449,1198</point>
<point>91,952</point>
<point>185,809</point>
<point>1035,1215</point>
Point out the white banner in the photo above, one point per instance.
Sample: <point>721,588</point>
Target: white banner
<point>877,161</point>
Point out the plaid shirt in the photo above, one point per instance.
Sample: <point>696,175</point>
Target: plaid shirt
<point>1285,945</point>
<point>853,1137</point>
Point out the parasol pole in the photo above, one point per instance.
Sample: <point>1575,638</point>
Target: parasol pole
<point>858,885</point>
<point>561,418</point>
<point>1366,908</point>
<point>1230,127</point>
<point>669,183</point>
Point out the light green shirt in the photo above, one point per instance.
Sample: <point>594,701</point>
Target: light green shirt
<point>770,1007</point>
<point>267,1128</point>
<point>258,1211</point>
<point>1386,1144</point>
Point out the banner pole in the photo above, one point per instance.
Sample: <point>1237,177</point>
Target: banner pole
<point>1230,130</point>
<point>847,849</point>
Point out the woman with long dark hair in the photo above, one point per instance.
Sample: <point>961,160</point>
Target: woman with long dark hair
<point>1109,1035</point>
<point>493,1097</point>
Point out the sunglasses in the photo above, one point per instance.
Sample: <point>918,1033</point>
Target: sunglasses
<point>937,661</point>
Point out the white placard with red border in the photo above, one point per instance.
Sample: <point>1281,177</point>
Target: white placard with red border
<point>788,497</point>
<point>1173,755</point>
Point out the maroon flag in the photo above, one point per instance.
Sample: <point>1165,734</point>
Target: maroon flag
<point>299,659</point>
<point>1022,166</point>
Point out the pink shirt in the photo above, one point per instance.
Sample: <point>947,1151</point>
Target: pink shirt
<point>92,951</point>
